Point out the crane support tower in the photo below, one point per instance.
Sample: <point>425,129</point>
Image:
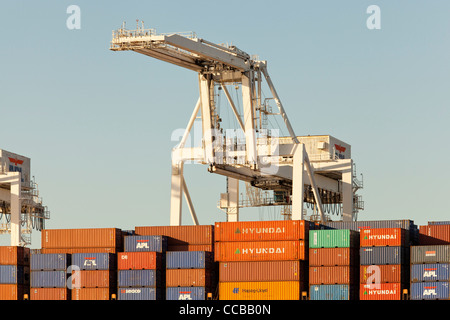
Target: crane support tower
<point>316,170</point>
<point>21,208</point>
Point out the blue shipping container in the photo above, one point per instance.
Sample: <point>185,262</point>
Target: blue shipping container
<point>332,292</point>
<point>430,272</point>
<point>189,259</point>
<point>95,261</point>
<point>139,278</point>
<point>139,294</point>
<point>49,279</point>
<point>146,243</point>
<point>186,293</point>
<point>383,255</point>
<point>12,274</point>
<point>50,261</point>
<point>430,291</point>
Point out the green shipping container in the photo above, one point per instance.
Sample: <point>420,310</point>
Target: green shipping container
<point>341,238</point>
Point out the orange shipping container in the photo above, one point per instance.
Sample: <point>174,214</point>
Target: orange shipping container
<point>180,235</point>
<point>333,275</point>
<point>139,260</point>
<point>260,251</point>
<point>12,255</point>
<point>191,247</point>
<point>82,238</point>
<point>384,291</point>
<point>93,293</point>
<point>13,291</point>
<point>265,290</point>
<point>393,237</point>
<point>236,271</point>
<point>262,230</point>
<point>96,278</point>
<point>434,234</point>
<point>333,256</point>
<point>383,273</point>
<point>49,294</point>
<point>80,250</point>
<point>188,278</point>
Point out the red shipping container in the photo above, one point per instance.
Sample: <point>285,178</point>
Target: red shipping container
<point>14,255</point>
<point>97,278</point>
<point>49,294</point>
<point>93,293</point>
<point>189,278</point>
<point>13,291</point>
<point>384,291</point>
<point>434,234</point>
<point>139,260</point>
<point>80,250</point>
<point>180,235</point>
<point>333,256</point>
<point>262,230</point>
<point>260,250</point>
<point>82,238</point>
<point>393,237</point>
<point>333,275</point>
<point>393,273</point>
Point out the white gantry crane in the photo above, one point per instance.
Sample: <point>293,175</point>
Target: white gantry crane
<point>21,207</point>
<point>316,170</point>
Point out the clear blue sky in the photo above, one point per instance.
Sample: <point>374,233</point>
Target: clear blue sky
<point>97,124</point>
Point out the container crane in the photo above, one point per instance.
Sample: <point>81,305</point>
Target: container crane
<point>310,169</point>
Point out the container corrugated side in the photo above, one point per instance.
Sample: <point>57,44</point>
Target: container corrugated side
<point>262,230</point>
<point>95,261</point>
<point>146,243</point>
<point>191,247</point>
<point>332,292</point>
<point>93,293</point>
<point>14,255</point>
<point>381,291</point>
<point>48,262</point>
<point>139,294</point>
<point>383,255</point>
<point>13,291</point>
<point>187,293</point>
<point>80,250</point>
<point>393,237</point>
<point>180,235</point>
<point>189,278</point>
<point>430,272</point>
<point>139,260</point>
<point>49,294</point>
<point>294,270</point>
<point>96,278</point>
<point>140,278</point>
<point>430,291</point>
<point>340,238</point>
<point>333,275</point>
<point>260,290</point>
<point>12,274</point>
<point>430,254</point>
<point>49,279</point>
<point>438,234</point>
<point>333,256</point>
<point>82,238</point>
<point>392,273</point>
<point>260,250</point>
<point>189,259</point>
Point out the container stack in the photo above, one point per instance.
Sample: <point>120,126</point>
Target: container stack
<point>96,278</point>
<point>384,258</point>
<point>262,260</point>
<point>141,268</point>
<point>14,272</point>
<point>190,275</point>
<point>49,276</point>
<point>430,272</point>
<point>333,264</point>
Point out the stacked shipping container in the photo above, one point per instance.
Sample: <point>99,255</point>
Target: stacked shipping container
<point>384,256</point>
<point>333,264</point>
<point>262,260</point>
<point>141,268</point>
<point>14,272</point>
<point>49,276</point>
